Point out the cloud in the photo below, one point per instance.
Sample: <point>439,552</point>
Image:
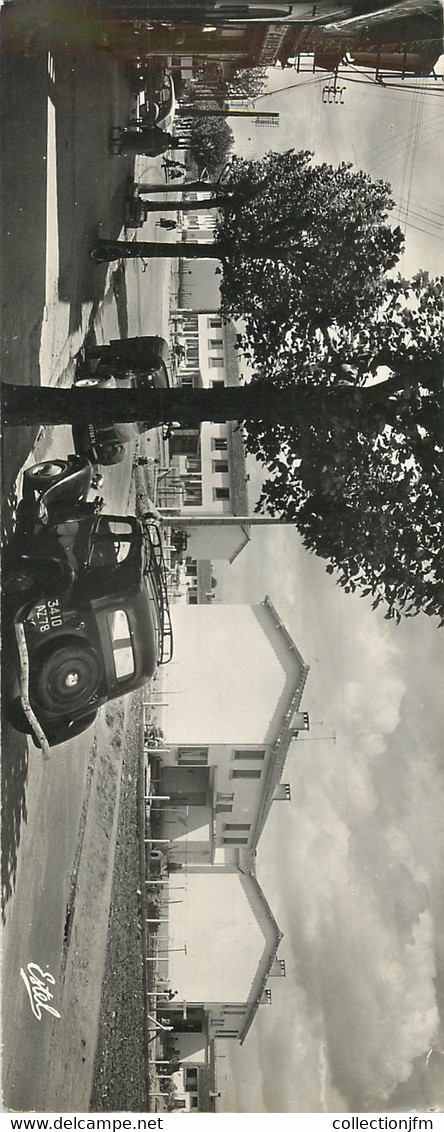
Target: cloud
<point>361,851</point>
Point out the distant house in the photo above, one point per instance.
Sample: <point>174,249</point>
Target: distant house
<point>209,462</point>
<point>199,581</point>
<point>234,710</point>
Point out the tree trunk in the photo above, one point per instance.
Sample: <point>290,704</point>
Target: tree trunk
<point>184,205</point>
<point>191,407</point>
<point>210,112</point>
<point>106,250</point>
<point>144,187</point>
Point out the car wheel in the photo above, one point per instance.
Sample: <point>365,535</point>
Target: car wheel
<point>18,580</point>
<point>22,575</point>
<point>68,677</point>
<point>46,474</point>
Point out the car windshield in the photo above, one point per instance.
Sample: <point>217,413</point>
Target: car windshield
<point>111,542</point>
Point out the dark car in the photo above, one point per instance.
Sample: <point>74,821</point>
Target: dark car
<point>126,363</point>
<point>88,599</point>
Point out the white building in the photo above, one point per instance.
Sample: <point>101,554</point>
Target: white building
<point>233,711</point>
<point>228,728</point>
<point>209,463</point>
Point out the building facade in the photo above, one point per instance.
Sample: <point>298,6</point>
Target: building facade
<point>225,760</point>
<point>234,710</point>
<point>208,464</point>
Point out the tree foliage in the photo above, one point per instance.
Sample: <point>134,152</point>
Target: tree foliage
<point>362,477</point>
<point>247,82</point>
<point>345,406</point>
<point>210,143</point>
<point>329,241</point>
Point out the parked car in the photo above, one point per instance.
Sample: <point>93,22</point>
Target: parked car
<point>87,595</point>
<point>128,363</point>
<point>155,104</point>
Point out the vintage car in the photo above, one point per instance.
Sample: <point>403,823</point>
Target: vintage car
<point>86,592</point>
<point>155,104</point>
<point>126,363</point>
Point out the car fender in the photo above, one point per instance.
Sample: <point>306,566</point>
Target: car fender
<point>75,484</point>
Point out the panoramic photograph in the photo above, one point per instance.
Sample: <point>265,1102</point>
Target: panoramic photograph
<point>222,773</point>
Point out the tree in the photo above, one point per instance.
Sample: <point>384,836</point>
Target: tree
<point>345,404</point>
<point>247,82</point>
<point>210,142</point>
<point>330,240</point>
<point>355,463</point>
<point>301,246</point>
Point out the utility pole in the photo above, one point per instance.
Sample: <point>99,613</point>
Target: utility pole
<point>223,520</point>
<point>201,112</point>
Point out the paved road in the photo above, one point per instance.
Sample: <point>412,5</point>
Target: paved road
<point>57,113</point>
<point>60,182</point>
<point>42,853</point>
<point>42,806</point>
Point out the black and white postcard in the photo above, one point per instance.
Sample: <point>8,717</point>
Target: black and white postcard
<point>222,573</point>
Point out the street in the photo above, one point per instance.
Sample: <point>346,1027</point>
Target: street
<point>61,188</point>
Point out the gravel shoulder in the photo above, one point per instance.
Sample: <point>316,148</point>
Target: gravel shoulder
<point>119,1082</point>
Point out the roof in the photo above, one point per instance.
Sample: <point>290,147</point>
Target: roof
<point>286,733</point>
<point>204,586</point>
<point>265,966</point>
<point>238,470</point>
<point>243,531</point>
<point>207,1082</point>
<point>238,467</point>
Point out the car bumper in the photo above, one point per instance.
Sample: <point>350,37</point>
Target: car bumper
<point>23,656</point>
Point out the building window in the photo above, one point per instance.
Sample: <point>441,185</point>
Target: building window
<point>224,807</point>
<point>214,323</point>
<point>237,825</point>
<point>235,841</point>
<point>217,381</point>
<point>221,493</point>
<point>215,363</point>
<point>249,755</point>
<point>219,443</point>
<point>220,466</point>
<point>191,1078</point>
<point>244,773</point>
<point>226,1033</point>
<point>192,756</point>
<point>215,343</point>
<point>220,797</point>
<point>194,1102</point>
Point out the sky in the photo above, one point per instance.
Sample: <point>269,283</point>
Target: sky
<point>353,866</point>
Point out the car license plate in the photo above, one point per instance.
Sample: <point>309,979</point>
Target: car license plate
<point>47,615</point>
